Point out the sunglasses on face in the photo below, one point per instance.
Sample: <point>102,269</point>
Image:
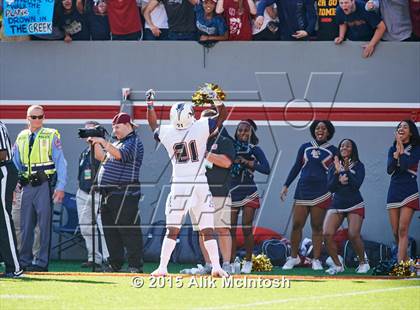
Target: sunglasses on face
<point>36,116</point>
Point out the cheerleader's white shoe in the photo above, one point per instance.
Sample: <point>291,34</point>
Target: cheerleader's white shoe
<point>316,265</point>
<point>363,268</point>
<point>291,262</point>
<point>334,270</point>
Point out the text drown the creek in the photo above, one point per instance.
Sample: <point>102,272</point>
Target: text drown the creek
<point>26,17</point>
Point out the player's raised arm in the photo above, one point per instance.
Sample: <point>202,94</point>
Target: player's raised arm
<point>151,113</point>
<point>222,113</point>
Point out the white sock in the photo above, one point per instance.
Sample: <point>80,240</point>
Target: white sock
<point>213,251</point>
<point>168,246</point>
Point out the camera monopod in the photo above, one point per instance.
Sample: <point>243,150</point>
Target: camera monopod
<point>93,211</point>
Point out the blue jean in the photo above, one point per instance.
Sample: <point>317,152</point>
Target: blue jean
<point>182,36</point>
<point>149,36</point>
<point>135,36</point>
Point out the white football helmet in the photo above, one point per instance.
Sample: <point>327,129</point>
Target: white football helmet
<point>182,115</point>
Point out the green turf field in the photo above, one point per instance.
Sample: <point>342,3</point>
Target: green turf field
<point>74,266</point>
<point>117,292</point>
<point>308,290</point>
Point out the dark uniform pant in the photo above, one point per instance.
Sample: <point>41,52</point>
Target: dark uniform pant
<point>35,209</point>
<point>8,248</point>
<point>121,223</point>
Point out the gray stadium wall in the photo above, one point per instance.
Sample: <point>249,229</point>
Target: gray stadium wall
<point>250,72</point>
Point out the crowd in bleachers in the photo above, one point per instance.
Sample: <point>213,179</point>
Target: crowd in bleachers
<point>209,21</point>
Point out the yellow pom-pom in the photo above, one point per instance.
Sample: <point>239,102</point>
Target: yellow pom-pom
<point>261,263</point>
<point>207,94</point>
<point>403,269</point>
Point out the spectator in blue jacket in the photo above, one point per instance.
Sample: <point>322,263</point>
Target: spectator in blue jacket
<point>357,24</point>
<point>97,16</point>
<point>344,180</point>
<point>297,18</point>
<point>211,27</point>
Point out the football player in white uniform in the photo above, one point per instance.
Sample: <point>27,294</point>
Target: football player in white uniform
<point>185,141</point>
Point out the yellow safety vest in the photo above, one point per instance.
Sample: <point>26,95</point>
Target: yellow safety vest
<point>41,154</point>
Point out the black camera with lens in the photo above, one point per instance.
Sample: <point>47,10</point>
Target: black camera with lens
<point>97,131</point>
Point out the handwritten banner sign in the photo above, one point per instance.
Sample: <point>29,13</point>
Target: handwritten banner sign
<point>25,17</point>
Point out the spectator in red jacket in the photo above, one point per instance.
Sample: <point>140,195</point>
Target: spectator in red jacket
<point>124,20</point>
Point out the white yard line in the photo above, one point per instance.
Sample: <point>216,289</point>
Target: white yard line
<point>306,298</point>
<point>19,296</point>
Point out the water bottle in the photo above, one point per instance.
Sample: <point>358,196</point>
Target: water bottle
<point>208,164</point>
<point>237,266</point>
<point>186,271</point>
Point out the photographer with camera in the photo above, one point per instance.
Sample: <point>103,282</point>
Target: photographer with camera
<point>118,180</point>
<point>39,157</point>
<point>86,176</point>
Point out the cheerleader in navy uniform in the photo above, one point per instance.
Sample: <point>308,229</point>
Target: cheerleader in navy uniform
<point>249,158</point>
<point>311,195</point>
<point>344,180</point>
<point>403,193</point>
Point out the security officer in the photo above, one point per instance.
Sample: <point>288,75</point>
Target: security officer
<point>8,181</point>
<point>39,157</point>
<point>118,179</point>
<point>84,206</point>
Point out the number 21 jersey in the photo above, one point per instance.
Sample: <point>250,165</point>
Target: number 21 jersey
<point>187,147</point>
